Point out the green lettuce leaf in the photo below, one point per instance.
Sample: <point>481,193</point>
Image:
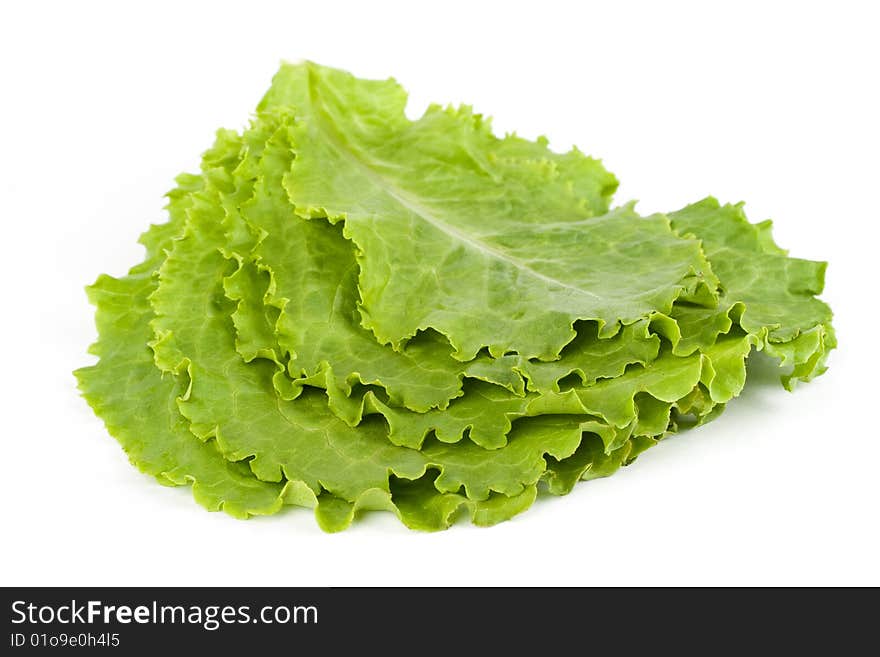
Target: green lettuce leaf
<point>497,234</point>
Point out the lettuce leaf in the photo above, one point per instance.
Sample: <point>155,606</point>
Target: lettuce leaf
<point>440,209</point>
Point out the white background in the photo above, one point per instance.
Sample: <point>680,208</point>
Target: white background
<point>772,103</point>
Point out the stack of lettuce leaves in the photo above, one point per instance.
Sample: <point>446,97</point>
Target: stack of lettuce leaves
<point>350,310</point>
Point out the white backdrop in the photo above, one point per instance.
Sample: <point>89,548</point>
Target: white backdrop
<point>772,103</point>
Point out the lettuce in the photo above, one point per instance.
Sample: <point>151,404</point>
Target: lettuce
<point>349,310</point>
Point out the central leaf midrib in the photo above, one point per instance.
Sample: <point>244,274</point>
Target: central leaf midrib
<point>325,124</point>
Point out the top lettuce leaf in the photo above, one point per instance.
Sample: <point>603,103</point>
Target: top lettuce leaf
<point>447,219</point>
<point>349,310</point>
